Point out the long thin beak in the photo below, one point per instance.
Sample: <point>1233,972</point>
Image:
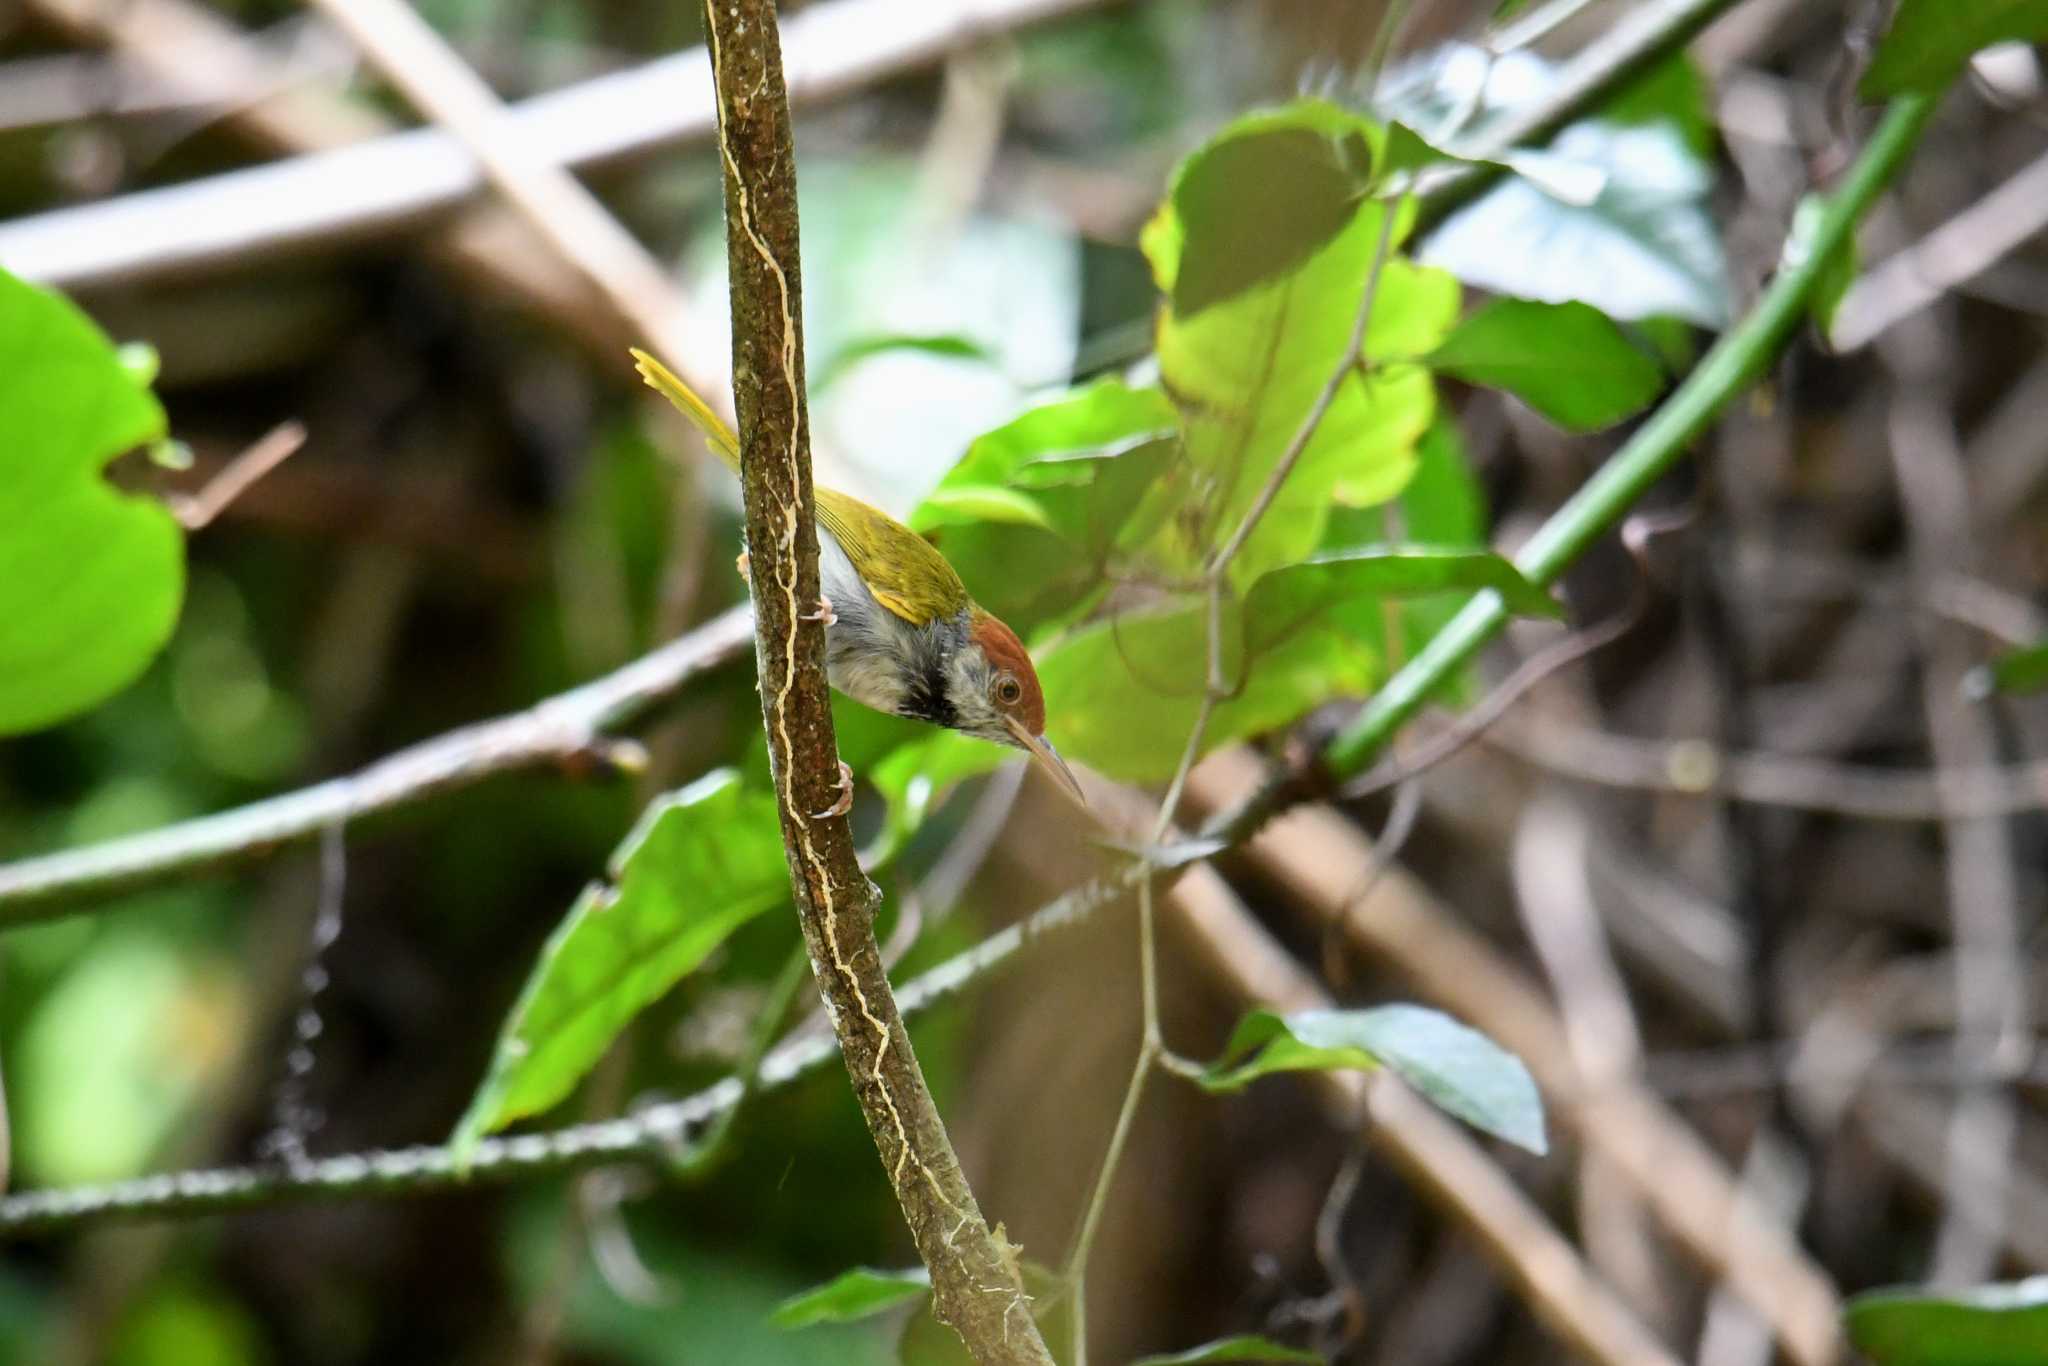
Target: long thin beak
<point>1046,757</point>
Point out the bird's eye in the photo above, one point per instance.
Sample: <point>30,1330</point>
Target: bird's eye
<point>1009,692</point>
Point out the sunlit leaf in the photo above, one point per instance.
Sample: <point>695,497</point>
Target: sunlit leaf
<point>1458,1068</point>
<point>1644,247</point>
<point>700,863</point>
<point>1567,361</point>
<point>1263,196</point>
<point>1930,40</point>
<point>968,503</point>
<point>90,578</point>
<point>1246,373</point>
<point>851,1295</point>
<point>1123,695</point>
<point>1244,1347</point>
<point>1987,1325</point>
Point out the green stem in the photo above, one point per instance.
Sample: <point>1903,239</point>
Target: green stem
<point>1730,367</point>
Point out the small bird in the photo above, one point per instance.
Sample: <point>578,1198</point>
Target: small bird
<point>902,634</point>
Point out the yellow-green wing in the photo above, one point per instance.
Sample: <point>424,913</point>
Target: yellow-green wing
<point>665,382</point>
<point>904,571</point>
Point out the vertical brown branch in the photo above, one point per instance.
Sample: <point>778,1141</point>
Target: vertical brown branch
<point>976,1286</point>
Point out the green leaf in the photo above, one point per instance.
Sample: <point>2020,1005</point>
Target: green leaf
<point>1930,40</point>
<point>90,578</point>
<point>1567,361</point>
<point>1458,1068</point>
<point>1247,372</point>
<point>700,863</point>
<point>1244,1347</point>
<point>968,503</point>
<point>949,346</point>
<point>1259,200</point>
<point>1989,1325</point>
<point>1123,694</point>
<point>2016,671</point>
<point>852,1295</point>
<point>1388,571</point>
<point>1083,463</point>
<point>1644,247</point>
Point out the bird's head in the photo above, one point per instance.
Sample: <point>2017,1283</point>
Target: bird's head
<point>994,695</point>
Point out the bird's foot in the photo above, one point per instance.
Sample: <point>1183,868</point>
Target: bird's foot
<point>743,566</point>
<point>845,802</point>
<point>824,613</point>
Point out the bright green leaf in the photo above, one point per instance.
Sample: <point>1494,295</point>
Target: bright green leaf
<point>700,863</point>
<point>1458,1068</point>
<point>1567,361</point>
<point>1930,40</point>
<point>1244,1347</point>
<point>1123,694</point>
<point>90,578</point>
<point>851,1295</point>
<point>1246,373</point>
<point>1644,247</point>
<point>1989,1325</point>
<point>965,503</point>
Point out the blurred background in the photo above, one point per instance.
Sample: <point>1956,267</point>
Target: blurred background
<point>1726,861</point>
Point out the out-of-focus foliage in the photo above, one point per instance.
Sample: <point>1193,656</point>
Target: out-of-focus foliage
<point>698,865</point>
<point>1613,213</point>
<point>1929,40</point>
<point>2015,671</point>
<point>1989,1325</point>
<point>90,578</point>
<point>852,1295</point>
<point>1455,1066</point>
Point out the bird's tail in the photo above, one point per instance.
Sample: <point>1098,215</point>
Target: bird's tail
<point>663,381</point>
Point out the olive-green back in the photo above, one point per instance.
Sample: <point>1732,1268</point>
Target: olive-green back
<point>904,571</point>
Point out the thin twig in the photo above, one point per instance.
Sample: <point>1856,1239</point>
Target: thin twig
<point>564,730</point>
<point>403,179</point>
<point>196,511</point>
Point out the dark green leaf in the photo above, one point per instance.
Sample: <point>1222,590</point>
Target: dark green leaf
<point>1387,571</point>
<point>851,1295</point>
<point>1246,373</point>
<point>1264,195</point>
<point>700,863</point>
<point>1567,361</point>
<point>1989,1325</point>
<point>1930,40</point>
<point>1458,1068</point>
<point>1082,464</point>
<point>90,578</point>
<point>1244,1347</point>
<point>1643,247</point>
<point>949,346</point>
